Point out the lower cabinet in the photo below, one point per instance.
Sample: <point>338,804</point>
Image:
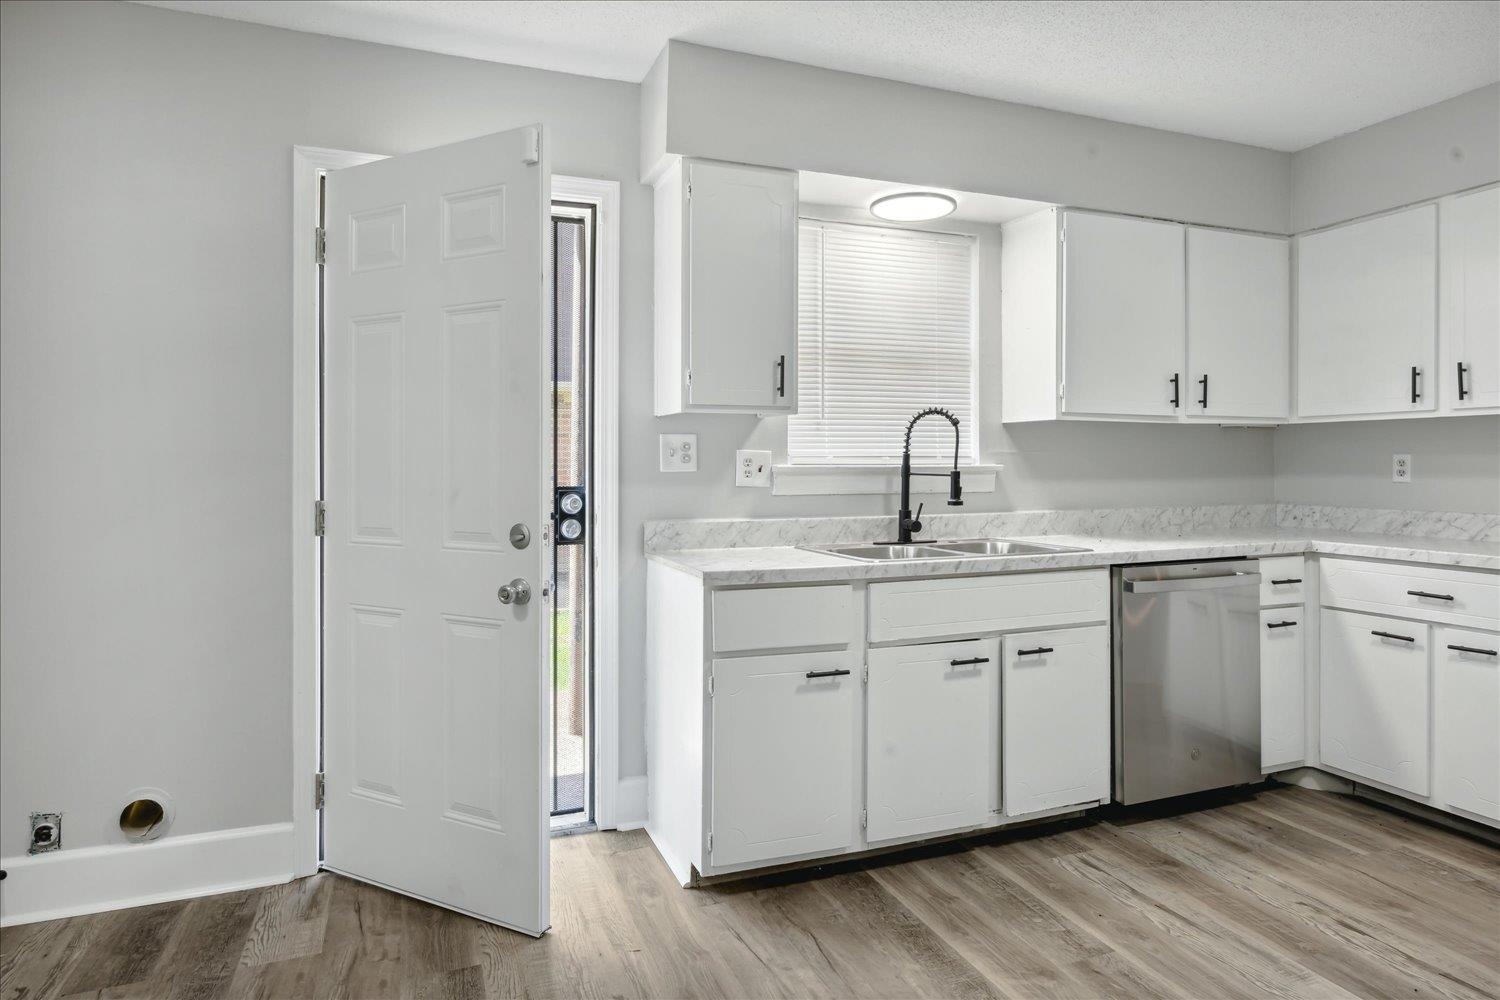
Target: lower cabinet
<point>782,755</point>
<point>930,710</point>
<point>1056,719</point>
<point>1466,671</point>
<point>1374,698</point>
<point>1282,688</point>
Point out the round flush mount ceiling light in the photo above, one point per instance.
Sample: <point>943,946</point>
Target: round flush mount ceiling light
<point>913,206</point>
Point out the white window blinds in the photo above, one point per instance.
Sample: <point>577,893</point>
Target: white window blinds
<point>885,327</point>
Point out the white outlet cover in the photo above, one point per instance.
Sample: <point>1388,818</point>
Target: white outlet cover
<point>1400,468</point>
<point>679,452</point>
<point>752,468</point>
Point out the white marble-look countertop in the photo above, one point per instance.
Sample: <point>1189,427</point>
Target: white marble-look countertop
<point>787,564</point>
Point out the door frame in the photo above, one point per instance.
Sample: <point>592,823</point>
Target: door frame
<point>308,163</point>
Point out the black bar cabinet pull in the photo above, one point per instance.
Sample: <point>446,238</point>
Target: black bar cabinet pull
<point>1435,597</point>
<point>1176,386</point>
<point>814,674</point>
<point>781,376</point>
<point>1280,624</point>
<point>1416,373</point>
<point>1392,635</point>
<point>1475,649</point>
<point>1461,369</point>
<point>1034,652</point>
<point>968,662</point>
<point>1204,382</point>
<point>1290,579</point>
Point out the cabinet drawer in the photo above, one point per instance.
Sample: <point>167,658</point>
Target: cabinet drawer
<point>782,618</point>
<point>1281,580</point>
<point>1282,688</point>
<point>930,609</point>
<point>1451,596</point>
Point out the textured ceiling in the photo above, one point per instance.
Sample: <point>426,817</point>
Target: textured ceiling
<point>1283,75</point>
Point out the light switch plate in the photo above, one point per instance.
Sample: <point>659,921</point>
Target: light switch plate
<point>679,452</point>
<point>1400,468</point>
<point>752,468</point>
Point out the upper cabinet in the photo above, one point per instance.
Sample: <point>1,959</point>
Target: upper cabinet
<point>726,289</point>
<point>1238,326</point>
<point>1468,376</point>
<point>1367,317</point>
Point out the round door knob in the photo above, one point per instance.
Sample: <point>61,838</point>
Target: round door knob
<point>518,591</point>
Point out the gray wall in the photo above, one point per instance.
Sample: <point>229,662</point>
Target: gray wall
<point>145,380</point>
<point>1455,464</point>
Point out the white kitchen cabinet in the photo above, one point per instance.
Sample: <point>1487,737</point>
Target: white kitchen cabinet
<point>1123,316</point>
<point>1469,314</point>
<point>1367,317</point>
<point>1374,698</point>
<point>930,710</point>
<point>726,289</point>
<point>1282,688</point>
<point>1466,671</point>
<point>1092,318</point>
<point>1238,326</point>
<point>1056,719</point>
<point>782,755</point>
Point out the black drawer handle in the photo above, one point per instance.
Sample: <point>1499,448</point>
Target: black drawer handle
<point>1176,389</point>
<point>1280,624</point>
<point>968,662</point>
<point>1435,597</point>
<point>814,674</point>
<point>1283,583</point>
<point>781,376</point>
<point>1416,393</point>
<point>1034,652</point>
<point>1204,382</point>
<point>1392,635</point>
<point>1462,368</point>
<point>1474,649</point>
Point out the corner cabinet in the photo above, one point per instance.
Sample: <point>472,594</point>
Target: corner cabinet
<point>726,289</point>
<point>1367,317</point>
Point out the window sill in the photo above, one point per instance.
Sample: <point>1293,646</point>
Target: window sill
<point>834,480</point>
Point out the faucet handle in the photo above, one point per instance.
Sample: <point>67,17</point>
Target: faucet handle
<point>915,524</point>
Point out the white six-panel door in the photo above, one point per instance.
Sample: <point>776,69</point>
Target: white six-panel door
<point>434,690</point>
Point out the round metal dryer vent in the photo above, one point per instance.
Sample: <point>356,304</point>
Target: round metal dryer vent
<point>147,815</point>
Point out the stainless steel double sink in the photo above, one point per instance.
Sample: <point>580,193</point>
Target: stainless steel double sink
<point>967,548</point>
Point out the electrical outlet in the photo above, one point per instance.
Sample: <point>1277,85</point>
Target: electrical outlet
<point>679,452</point>
<point>752,468</point>
<point>1400,468</point>
<point>46,833</point>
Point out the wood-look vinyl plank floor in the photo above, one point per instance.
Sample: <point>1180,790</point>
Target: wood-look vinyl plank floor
<point>1277,893</point>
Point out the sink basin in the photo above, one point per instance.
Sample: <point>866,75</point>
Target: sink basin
<point>969,548</point>
<point>887,553</point>
<point>1001,547</point>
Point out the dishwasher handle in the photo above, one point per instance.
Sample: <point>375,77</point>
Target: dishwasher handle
<point>1192,583</point>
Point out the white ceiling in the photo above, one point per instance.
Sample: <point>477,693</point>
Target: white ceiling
<point>1283,74</point>
<point>858,192</point>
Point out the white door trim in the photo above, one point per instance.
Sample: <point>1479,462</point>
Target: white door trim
<point>307,163</point>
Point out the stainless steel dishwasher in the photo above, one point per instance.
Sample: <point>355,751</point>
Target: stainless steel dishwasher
<point>1186,677</point>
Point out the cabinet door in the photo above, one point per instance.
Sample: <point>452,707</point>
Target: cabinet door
<point>1466,668</point>
<point>1238,326</point>
<point>1469,332</point>
<point>1123,309</point>
<point>783,756</point>
<point>1367,316</point>
<point>1055,734</point>
<point>740,272</point>
<point>931,710</point>
<point>1282,722</point>
<point>1374,698</point>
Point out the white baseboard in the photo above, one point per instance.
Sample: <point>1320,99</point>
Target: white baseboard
<point>630,803</point>
<point>94,879</point>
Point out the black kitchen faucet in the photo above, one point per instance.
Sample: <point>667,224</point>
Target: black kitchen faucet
<point>906,521</point>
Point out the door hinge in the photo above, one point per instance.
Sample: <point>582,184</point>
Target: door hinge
<point>320,245</point>
<point>688,376</point>
<point>690,189</point>
<point>710,685</point>
<point>318,787</point>
<point>710,840</point>
<point>320,518</point>
<point>864,673</point>
<point>864,819</point>
<point>1059,390</point>
<point>533,154</point>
